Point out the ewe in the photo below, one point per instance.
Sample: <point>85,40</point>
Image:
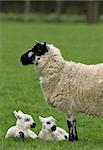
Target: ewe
<point>71,87</point>
<point>22,128</point>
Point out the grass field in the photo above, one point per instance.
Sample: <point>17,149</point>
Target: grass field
<point>19,85</point>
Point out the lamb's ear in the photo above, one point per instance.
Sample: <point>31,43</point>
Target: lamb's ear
<point>52,118</point>
<point>20,112</point>
<point>15,113</point>
<point>41,118</point>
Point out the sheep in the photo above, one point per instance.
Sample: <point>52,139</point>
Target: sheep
<point>22,128</point>
<point>50,131</point>
<point>68,86</point>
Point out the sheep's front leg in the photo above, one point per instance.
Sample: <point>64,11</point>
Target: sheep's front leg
<point>72,129</point>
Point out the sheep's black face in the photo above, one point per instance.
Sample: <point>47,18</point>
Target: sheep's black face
<point>33,55</point>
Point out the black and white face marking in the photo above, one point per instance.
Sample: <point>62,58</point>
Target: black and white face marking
<point>33,55</point>
<point>30,54</point>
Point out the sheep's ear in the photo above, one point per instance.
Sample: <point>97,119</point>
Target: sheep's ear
<point>44,43</point>
<point>37,42</point>
<point>41,118</point>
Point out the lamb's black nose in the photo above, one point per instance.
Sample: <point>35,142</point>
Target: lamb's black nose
<point>33,125</point>
<point>53,128</point>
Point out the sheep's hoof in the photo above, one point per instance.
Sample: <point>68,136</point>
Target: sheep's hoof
<point>73,138</point>
<point>21,134</point>
<point>76,138</point>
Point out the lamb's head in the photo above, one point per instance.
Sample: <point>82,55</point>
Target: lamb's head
<point>48,123</point>
<point>24,121</point>
<point>33,55</point>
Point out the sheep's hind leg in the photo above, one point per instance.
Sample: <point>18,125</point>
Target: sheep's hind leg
<point>72,130</point>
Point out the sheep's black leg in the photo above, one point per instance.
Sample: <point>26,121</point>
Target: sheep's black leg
<point>70,126</point>
<point>75,130</point>
<point>72,130</point>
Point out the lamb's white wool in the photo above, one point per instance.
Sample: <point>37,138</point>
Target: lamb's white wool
<point>22,128</point>
<point>71,87</point>
<point>50,131</point>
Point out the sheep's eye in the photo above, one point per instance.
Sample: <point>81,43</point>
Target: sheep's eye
<point>48,122</point>
<point>26,120</point>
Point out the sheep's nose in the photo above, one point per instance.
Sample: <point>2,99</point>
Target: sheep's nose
<point>53,128</point>
<point>33,125</point>
<point>23,60</point>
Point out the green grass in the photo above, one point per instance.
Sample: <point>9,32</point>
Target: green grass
<point>19,85</point>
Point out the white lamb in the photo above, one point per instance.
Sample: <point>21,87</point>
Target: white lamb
<point>23,124</point>
<point>71,87</point>
<point>50,131</point>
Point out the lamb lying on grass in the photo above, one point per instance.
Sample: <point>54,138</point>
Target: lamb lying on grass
<point>50,131</point>
<point>71,87</point>
<point>23,125</point>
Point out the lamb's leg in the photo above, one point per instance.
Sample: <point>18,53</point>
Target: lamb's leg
<point>32,134</point>
<point>19,134</point>
<point>72,130</point>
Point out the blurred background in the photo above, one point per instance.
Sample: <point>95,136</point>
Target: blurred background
<point>90,11</point>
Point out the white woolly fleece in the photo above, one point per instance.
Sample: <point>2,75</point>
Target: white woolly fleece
<point>71,87</point>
